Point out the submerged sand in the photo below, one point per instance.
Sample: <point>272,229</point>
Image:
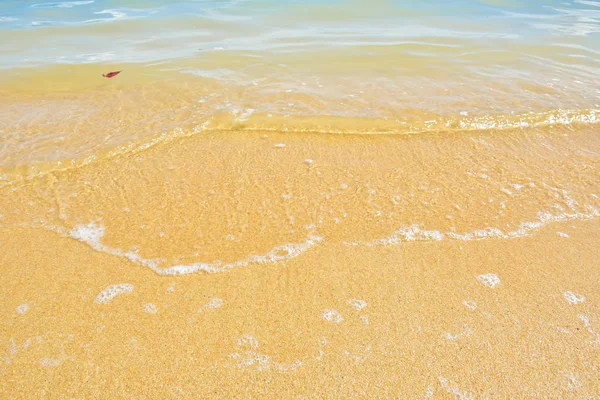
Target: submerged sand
<point>265,264</point>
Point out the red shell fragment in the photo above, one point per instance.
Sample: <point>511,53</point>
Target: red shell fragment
<point>111,74</point>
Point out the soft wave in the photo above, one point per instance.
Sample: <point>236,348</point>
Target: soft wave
<point>91,234</point>
<point>62,4</point>
<point>416,233</point>
<point>248,120</point>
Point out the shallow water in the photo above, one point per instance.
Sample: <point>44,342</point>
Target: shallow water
<point>272,193</point>
<point>428,65</point>
<point>457,91</point>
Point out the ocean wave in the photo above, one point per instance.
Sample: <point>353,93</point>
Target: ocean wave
<point>415,232</point>
<point>92,233</point>
<point>62,4</point>
<point>113,16</point>
<point>244,119</point>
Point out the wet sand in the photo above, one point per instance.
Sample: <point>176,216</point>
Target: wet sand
<point>308,265</point>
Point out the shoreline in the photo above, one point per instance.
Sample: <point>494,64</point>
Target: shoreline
<point>411,317</point>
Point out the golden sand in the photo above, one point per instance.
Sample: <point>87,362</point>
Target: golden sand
<point>264,264</point>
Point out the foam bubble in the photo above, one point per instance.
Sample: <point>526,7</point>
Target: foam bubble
<point>573,298</point>
<point>562,234</point>
<point>331,315</point>
<point>414,232</point>
<point>248,356</point>
<point>453,389</point>
<point>286,251</point>
<point>358,304</point>
<point>588,325</point>
<point>247,341</point>
<point>214,304</point>
<point>410,233</point>
<point>22,309</point>
<point>470,304</point>
<point>63,4</point>
<point>91,234</point>
<point>489,280</point>
<point>585,320</point>
<point>111,291</point>
<point>488,232</point>
<point>242,115</point>
<point>150,308</point>
<point>465,332</point>
<point>115,14</point>
<point>188,269</point>
<point>50,363</point>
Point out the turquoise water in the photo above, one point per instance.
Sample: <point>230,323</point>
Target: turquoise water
<point>125,31</point>
<point>323,66</point>
<point>346,58</point>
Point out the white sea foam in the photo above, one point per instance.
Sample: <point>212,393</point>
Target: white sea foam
<point>114,13</point>
<point>213,304</point>
<point>573,298</point>
<point>150,308</point>
<point>470,304</point>
<point>410,233</point>
<point>242,115</point>
<point>453,389</point>
<point>559,117</point>
<point>247,340</point>
<point>415,232</point>
<point>465,332</point>
<point>22,309</point>
<point>62,4</point>
<point>358,304</point>
<point>111,291</point>
<point>588,325</point>
<point>91,234</point>
<point>248,356</point>
<point>331,315</point>
<point>489,280</point>
<point>359,357</point>
<point>53,362</point>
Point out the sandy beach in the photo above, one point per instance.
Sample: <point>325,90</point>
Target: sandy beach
<point>327,199</point>
<point>329,295</point>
